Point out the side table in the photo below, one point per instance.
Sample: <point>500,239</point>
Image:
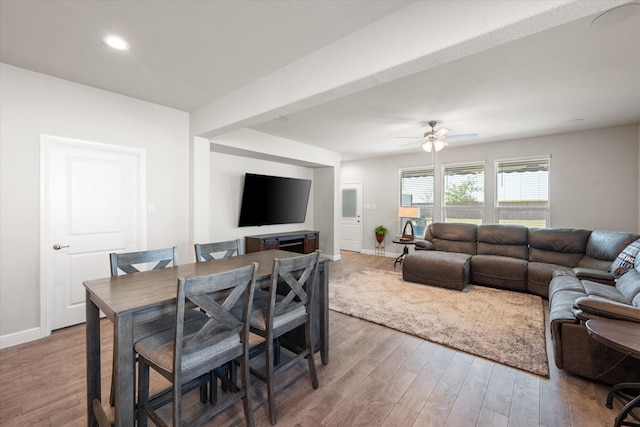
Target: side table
<point>625,337</point>
<point>405,250</point>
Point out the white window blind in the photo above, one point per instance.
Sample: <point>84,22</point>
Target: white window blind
<point>416,189</point>
<point>522,192</point>
<point>464,193</point>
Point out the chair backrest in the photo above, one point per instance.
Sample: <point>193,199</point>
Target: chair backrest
<point>294,280</point>
<point>127,262</point>
<point>211,251</point>
<point>227,299</point>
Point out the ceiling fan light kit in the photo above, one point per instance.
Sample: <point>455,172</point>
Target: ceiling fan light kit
<point>433,144</point>
<point>435,140</point>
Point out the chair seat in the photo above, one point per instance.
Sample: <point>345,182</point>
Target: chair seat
<point>258,319</point>
<point>158,348</point>
<point>143,330</point>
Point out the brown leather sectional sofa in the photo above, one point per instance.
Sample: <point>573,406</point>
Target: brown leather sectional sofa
<point>561,264</point>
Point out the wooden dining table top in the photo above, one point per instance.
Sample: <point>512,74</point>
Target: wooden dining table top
<point>120,294</point>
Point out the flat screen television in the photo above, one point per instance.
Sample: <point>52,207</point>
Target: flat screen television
<point>273,200</point>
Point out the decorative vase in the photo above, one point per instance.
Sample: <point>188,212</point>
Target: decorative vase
<point>380,237</point>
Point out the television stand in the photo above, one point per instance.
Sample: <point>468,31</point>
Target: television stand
<point>303,242</point>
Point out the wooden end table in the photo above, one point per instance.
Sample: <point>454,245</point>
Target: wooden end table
<point>624,337</point>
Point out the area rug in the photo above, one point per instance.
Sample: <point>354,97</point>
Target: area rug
<point>503,326</point>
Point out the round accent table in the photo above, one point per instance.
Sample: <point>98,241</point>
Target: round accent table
<point>405,250</point>
<point>624,337</point>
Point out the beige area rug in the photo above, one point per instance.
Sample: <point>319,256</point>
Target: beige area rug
<point>503,326</point>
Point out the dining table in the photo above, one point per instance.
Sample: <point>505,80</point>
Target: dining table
<point>131,299</point>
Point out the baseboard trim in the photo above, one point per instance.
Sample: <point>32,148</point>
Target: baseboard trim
<point>21,337</point>
<point>386,255</point>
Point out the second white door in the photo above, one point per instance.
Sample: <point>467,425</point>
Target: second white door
<point>351,217</point>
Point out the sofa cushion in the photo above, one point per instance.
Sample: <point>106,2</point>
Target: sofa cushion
<point>563,291</point>
<point>629,286</point>
<point>504,272</point>
<point>559,246</point>
<point>454,237</point>
<point>603,247</point>
<point>504,240</point>
<point>539,275</point>
<point>600,290</point>
<point>625,259</point>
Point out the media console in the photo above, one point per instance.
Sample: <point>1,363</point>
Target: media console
<point>303,241</point>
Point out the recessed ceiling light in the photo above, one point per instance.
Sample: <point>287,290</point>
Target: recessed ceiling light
<point>115,42</point>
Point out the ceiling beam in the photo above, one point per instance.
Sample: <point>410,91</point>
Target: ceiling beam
<point>416,38</point>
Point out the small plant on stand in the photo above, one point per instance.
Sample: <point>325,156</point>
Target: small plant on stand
<point>380,231</point>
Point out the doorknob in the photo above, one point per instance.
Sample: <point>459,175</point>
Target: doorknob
<point>58,246</point>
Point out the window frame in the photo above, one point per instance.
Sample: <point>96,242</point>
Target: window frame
<point>426,209</point>
<point>471,165</point>
<point>520,221</point>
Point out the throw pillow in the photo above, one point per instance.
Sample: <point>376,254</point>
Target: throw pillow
<point>624,261</point>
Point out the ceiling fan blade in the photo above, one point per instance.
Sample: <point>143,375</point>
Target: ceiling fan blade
<point>412,137</point>
<point>463,136</point>
<point>417,140</point>
<point>441,133</point>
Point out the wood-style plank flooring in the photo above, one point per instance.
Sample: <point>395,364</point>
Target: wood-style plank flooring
<point>376,377</point>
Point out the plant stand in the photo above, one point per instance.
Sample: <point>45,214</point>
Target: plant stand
<point>380,248</point>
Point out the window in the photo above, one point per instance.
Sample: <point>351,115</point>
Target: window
<point>522,192</point>
<point>416,189</point>
<point>464,193</point>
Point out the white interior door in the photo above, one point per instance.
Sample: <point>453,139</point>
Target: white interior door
<point>351,219</point>
<point>93,198</point>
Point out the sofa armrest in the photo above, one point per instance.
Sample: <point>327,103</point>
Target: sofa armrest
<point>424,245</point>
<point>594,275</point>
<point>604,308</point>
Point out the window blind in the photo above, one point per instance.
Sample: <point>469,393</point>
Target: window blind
<point>522,192</point>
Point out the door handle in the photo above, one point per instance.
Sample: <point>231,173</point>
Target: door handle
<point>58,246</point>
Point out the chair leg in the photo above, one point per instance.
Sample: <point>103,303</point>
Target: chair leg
<point>213,388</point>
<point>203,392</point>
<point>177,403</point>
<point>270,379</point>
<point>143,393</point>
<point>246,399</point>
<point>112,393</point>
<point>310,359</point>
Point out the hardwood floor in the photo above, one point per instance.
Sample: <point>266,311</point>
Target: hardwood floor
<point>376,377</point>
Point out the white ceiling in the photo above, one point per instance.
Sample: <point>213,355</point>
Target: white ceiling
<point>188,54</point>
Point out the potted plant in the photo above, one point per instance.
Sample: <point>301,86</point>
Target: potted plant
<point>380,231</point>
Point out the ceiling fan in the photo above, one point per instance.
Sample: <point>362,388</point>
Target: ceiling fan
<point>435,140</point>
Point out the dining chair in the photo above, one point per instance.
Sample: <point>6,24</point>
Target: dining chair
<point>190,350</point>
<point>287,307</point>
<point>135,262</point>
<point>211,251</point>
<point>127,262</point>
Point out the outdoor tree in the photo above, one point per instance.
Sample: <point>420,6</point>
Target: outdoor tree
<point>461,192</point>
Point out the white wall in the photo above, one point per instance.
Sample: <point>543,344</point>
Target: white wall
<point>236,153</point>
<point>594,179</point>
<point>227,177</point>
<point>32,104</point>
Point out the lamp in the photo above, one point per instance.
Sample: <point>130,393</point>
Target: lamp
<point>431,143</point>
<point>408,212</point>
